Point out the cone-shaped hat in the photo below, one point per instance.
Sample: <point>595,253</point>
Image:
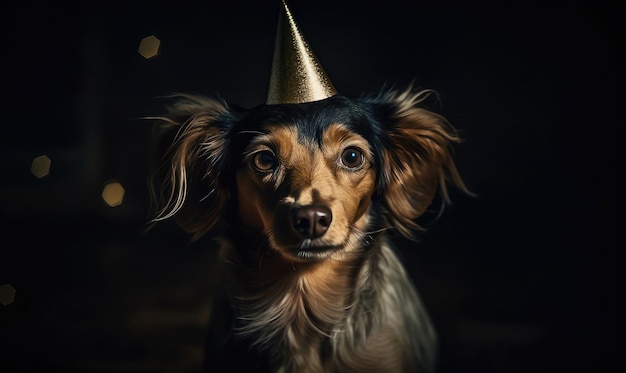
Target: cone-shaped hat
<point>296,75</point>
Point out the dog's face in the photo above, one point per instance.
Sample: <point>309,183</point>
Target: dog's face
<point>307,191</point>
<point>312,179</point>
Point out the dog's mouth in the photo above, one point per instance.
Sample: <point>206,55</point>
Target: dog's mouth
<point>309,250</point>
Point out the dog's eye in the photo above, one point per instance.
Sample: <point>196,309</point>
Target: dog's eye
<point>352,158</point>
<point>264,161</point>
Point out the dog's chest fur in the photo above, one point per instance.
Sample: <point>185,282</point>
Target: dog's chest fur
<point>330,316</point>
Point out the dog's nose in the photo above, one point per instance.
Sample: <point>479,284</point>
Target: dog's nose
<point>311,221</point>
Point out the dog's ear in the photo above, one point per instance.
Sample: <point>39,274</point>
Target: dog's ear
<point>192,183</point>
<point>415,157</point>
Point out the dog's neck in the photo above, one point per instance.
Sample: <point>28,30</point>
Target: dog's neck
<point>287,306</point>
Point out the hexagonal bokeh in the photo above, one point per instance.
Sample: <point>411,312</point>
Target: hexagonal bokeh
<point>40,166</point>
<point>113,194</point>
<point>149,47</point>
<point>7,294</point>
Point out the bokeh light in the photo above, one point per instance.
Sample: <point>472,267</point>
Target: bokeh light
<point>7,294</point>
<point>40,166</point>
<point>149,47</point>
<point>113,194</point>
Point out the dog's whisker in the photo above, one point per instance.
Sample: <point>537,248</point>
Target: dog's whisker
<point>364,237</point>
<point>207,195</point>
<point>378,230</point>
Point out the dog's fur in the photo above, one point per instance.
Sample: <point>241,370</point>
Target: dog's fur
<point>303,196</point>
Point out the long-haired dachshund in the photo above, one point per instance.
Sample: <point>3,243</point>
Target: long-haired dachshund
<point>303,197</point>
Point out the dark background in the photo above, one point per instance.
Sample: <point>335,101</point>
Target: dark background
<point>522,278</point>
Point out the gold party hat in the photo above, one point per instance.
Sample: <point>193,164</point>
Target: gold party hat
<point>297,76</point>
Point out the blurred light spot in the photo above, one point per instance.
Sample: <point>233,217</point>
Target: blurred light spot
<point>7,294</point>
<point>40,166</point>
<point>113,194</point>
<point>149,47</point>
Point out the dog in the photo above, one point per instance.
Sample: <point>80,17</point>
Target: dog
<point>305,199</point>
